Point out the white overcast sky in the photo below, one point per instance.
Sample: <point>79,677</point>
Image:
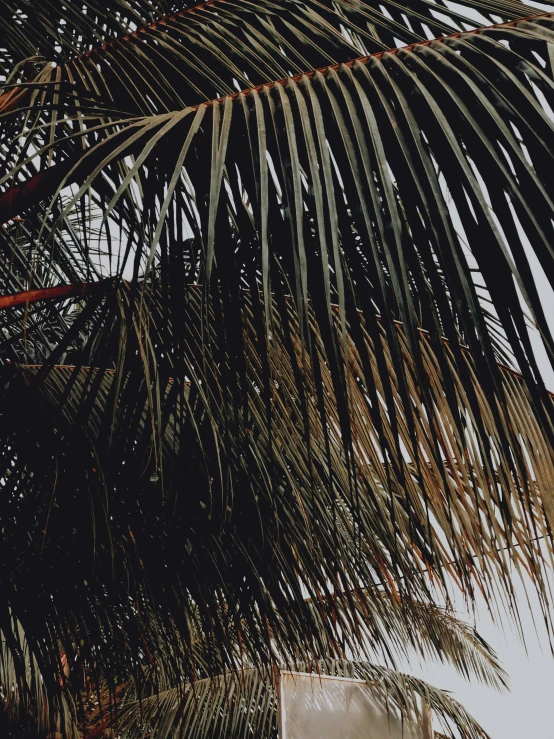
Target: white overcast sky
<point>527,711</point>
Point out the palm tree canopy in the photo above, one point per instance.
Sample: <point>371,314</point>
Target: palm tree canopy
<point>268,276</point>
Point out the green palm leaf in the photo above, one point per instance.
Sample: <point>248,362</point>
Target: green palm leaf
<point>267,370</point>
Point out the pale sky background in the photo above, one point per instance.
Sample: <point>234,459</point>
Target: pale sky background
<point>527,711</point>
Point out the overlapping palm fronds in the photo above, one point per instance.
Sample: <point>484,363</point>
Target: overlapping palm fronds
<point>240,703</point>
<point>266,369</point>
<point>246,704</point>
<point>221,40</point>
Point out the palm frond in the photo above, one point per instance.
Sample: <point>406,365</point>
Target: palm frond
<point>27,702</point>
<point>294,392</point>
<point>246,704</point>
<point>451,57</point>
<point>218,43</point>
<point>268,510</point>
